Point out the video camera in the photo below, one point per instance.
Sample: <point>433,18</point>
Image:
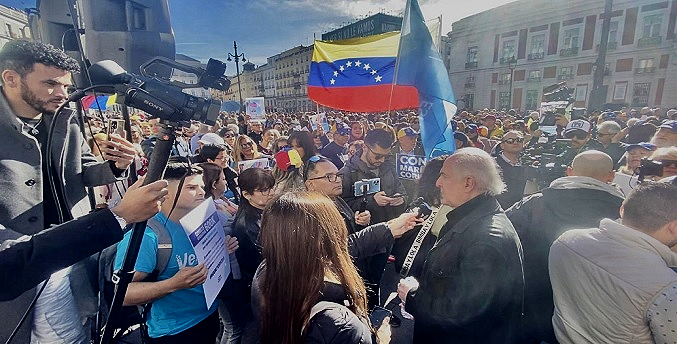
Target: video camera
<point>649,167</point>
<point>545,160</point>
<point>164,99</point>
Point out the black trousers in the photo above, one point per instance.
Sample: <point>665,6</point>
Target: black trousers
<point>204,332</point>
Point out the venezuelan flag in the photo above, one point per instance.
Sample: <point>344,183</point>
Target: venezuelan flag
<point>357,75</point>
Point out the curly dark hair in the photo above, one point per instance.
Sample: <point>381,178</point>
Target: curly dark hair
<point>21,55</point>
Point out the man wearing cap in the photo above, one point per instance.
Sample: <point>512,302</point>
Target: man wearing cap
<point>334,150</point>
<point>489,121</point>
<point>578,131</point>
<point>407,142</point>
<point>579,200</point>
<point>666,136</point>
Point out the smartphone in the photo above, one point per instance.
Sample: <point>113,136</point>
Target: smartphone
<point>367,186</point>
<point>378,314</point>
<point>115,126</point>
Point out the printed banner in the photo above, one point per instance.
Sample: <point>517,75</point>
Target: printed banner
<point>409,166</point>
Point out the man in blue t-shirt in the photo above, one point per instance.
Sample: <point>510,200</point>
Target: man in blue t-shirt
<point>178,313</point>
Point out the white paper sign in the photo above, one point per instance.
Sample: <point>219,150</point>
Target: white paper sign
<point>205,232</point>
<point>256,108</point>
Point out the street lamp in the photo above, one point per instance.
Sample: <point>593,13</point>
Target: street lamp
<point>512,63</point>
<point>237,59</point>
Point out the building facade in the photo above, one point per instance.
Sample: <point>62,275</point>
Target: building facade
<point>13,25</point>
<point>291,79</point>
<point>504,57</point>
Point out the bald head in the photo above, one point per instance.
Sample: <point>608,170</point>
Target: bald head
<point>593,164</point>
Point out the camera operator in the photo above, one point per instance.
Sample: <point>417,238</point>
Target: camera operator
<point>578,131</point>
<point>35,77</point>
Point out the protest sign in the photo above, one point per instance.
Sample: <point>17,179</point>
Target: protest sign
<point>206,235</point>
<point>255,108</point>
<point>409,166</point>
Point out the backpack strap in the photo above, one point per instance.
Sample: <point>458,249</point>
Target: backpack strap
<point>164,249</point>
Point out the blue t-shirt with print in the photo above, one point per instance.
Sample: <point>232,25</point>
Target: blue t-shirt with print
<point>183,308</point>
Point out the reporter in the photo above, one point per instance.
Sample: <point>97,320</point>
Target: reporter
<point>25,260</point>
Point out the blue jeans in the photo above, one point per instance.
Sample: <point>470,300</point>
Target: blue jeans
<point>233,310</point>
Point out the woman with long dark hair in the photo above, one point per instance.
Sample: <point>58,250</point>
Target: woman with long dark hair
<point>220,154</point>
<point>306,260</point>
<point>302,142</point>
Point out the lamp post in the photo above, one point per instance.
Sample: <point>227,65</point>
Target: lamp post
<point>237,57</point>
<point>512,63</point>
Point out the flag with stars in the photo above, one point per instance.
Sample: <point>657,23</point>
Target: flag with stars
<point>419,64</point>
<point>357,75</point>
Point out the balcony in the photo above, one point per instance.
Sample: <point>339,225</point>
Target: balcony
<point>566,76</point>
<point>607,71</point>
<point>535,56</point>
<point>470,65</point>
<point>534,79</point>
<point>610,46</point>
<point>645,70</point>
<point>507,60</point>
<point>568,52</point>
<point>469,85</point>
<point>504,81</point>
<point>646,42</point>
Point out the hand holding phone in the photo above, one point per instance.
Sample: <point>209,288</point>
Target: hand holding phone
<point>378,314</point>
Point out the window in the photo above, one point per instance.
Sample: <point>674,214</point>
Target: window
<point>652,25</point>
<point>532,100</point>
<point>138,18</point>
<point>470,81</point>
<point>571,38</point>
<point>508,50</point>
<point>469,100</point>
<point>581,93</point>
<point>504,100</point>
<point>534,75</point>
<point>566,73</point>
<point>619,90</point>
<point>640,94</point>
<point>505,79</point>
<point>537,48</point>
<point>645,66</point>
<point>613,32</point>
<point>472,54</point>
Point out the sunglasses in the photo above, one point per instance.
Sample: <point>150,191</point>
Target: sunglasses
<point>246,144</point>
<point>668,163</point>
<point>512,140</point>
<point>229,135</point>
<point>331,177</point>
<point>377,156</point>
<point>577,134</point>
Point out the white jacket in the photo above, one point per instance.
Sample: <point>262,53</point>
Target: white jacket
<point>613,285</point>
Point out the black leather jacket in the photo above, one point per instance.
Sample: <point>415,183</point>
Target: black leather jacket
<point>471,289</point>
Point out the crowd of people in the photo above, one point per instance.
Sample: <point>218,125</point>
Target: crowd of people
<point>585,253</point>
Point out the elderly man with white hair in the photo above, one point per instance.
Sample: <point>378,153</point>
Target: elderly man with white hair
<point>471,288</point>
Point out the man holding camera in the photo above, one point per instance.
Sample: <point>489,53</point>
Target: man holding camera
<point>578,132</point>
<point>35,77</point>
<point>579,200</point>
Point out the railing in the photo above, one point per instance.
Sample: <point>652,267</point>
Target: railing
<point>534,79</point>
<point>469,85</point>
<point>469,65</point>
<point>536,56</point>
<point>645,70</point>
<point>573,51</point>
<point>565,76</point>
<point>645,42</point>
<point>503,81</point>
<point>507,59</point>
<point>609,46</point>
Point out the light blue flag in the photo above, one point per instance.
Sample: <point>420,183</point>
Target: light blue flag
<point>419,64</point>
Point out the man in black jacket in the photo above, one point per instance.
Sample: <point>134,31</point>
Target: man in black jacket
<point>580,200</point>
<point>471,288</point>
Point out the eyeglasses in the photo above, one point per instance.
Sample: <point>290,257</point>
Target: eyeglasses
<point>331,177</point>
<point>581,135</point>
<point>606,134</point>
<point>512,140</point>
<point>229,135</point>
<point>377,156</point>
<point>667,163</point>
<point>246,144</point>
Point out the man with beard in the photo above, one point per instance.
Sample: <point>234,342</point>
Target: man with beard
<point>34,81</point>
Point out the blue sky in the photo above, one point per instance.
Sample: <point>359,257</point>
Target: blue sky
<point>262,28</point>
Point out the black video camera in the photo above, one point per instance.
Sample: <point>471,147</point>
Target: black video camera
<point>164,99</point>
<point>649,167</point>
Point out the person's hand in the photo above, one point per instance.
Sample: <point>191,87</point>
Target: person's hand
<point>381,199</point>
<point>363,218</point>
<point>383,333</point>
<point>232,244</point>
<point>403,223</point>
<point>119,150</point>
<point>405,286</point>
<point>620,135</point>
<point>141,202</point>
<point>396,200</point>
<point>538,133</point>
<point>189,276</point>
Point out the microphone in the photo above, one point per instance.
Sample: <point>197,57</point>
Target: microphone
<point>109,72</point>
